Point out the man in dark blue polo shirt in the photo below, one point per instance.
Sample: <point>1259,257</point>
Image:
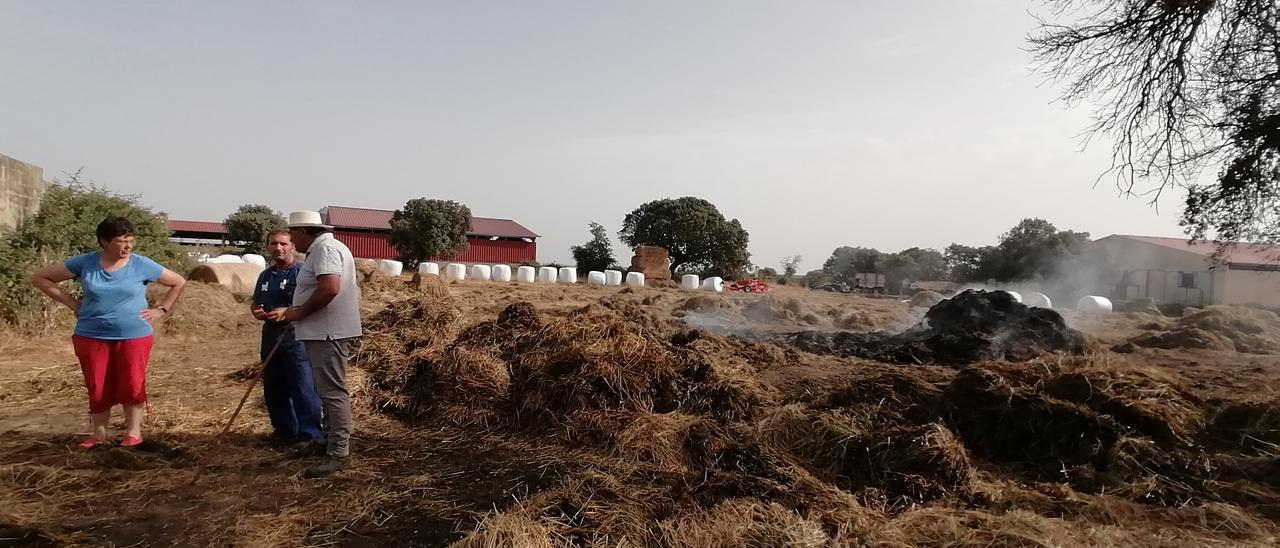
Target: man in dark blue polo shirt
<point>291,398</point>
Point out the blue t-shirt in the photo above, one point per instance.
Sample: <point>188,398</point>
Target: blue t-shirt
<point>275,289</point>
<point>113,301</point>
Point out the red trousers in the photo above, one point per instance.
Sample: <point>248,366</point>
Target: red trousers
<point>115,371</point>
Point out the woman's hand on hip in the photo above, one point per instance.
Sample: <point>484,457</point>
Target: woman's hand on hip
<point>152,314</point>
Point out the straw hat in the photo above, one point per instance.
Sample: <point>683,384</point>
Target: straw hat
<point>302,219</point>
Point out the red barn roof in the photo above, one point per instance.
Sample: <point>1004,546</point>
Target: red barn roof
<point>196,226</point>
<point>1240,253</point>
<point>359,217</point>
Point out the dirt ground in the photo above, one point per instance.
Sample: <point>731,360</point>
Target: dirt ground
<point>765,446</point>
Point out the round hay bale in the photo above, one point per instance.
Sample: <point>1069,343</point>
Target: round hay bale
<point>926,299</point>
<point>238,278</point>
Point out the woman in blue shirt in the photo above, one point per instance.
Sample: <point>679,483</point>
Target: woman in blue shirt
<point>113,324</point>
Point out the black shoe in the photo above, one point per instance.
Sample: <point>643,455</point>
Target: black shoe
<point>329,467</point>
<point>308,450</point>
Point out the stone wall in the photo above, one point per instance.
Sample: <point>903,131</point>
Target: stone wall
<point>21,186</point>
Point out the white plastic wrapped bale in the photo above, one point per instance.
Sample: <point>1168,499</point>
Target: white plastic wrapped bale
<point>225,259</point>
<point>612,277</point>
<point>714,283</point>
<point>568,275</point>
<point>1094,305</point>
<point>480,272</point>
<point>429,268</point>
<point>526,275</point>
<point>547,274</point>
<point>455,272</point>
<point>596,277</point>
<point>689,281</point>
<point>1017,297</point>
<point>635,279</point>
<point>1038,300</point>
<point>501,273</point>
<point>254,259</point>
<point>391,268</point>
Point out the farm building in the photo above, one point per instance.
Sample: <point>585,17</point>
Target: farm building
<point>365,231</point>
<point>1177,271</point>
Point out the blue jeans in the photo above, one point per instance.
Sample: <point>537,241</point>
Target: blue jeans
<point>287,387</point>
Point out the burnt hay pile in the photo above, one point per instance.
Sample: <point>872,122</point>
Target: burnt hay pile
<point>675,439</point>
<point>970,327</point>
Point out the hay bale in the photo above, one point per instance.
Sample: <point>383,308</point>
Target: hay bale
<point>652,261</point>
<point>238,278</point>
<point>925,299</point>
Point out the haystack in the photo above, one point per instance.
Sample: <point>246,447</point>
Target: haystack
<point>204,309</point>
<point>1219,327</point>
<point>238,278</point>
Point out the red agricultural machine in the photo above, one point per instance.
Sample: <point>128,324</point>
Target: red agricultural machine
<point>749,286</point>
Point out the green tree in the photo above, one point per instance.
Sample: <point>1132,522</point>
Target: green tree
<point>596,253</point>
<point>65,226</point>
<point>1032,249</point>
<point>1180,86</point>
<point>767,274</point>
<point>846,262</point>
<point>695,234</point>
<point>250,224</point>
<point>424,229</point>
<point>966,263</point>
<point>913,264</point>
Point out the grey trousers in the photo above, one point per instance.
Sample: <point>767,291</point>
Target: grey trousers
<point>329,371</point>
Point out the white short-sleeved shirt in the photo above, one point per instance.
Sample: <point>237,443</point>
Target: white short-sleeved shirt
<point>340,319</point>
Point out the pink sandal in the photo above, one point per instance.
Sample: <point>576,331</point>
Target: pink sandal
<point>130,441</point>
<point>90,442</point>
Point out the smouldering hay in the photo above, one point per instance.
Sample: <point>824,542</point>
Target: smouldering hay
<point>1253,426</point>
<point>741,522</point>
<point>465,386</point>
<point>704,304</point>
<point>1154,402</point>
<point>775,309</point>
<point>907,464</point>
<point>925,299</point>
<point>912,464</point>
<point>1220,327</point>
<point>1005,419</point>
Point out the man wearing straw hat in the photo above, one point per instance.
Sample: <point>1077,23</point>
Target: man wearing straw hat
<point>326,318</point>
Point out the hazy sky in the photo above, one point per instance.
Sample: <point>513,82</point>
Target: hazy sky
<point>885,123</point>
